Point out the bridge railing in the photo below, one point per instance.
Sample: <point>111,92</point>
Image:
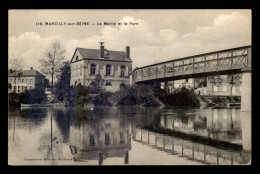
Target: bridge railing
<point>236,58</point>
<point>191,150</point>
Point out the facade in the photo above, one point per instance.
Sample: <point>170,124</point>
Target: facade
<point>108,137</point>
<point>30,79</point>
<point>115,67</point>
<point>220,89</point>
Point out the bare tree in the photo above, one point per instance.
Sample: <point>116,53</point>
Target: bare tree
<point>52,59</point>
<point>234,79</point>
<point>215,80</point>
<point>16,65</point>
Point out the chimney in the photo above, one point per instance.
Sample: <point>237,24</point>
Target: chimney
<point>101,49</point>
<point>31,68</point>
<point>127,51</point>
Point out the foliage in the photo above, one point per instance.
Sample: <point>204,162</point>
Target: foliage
<point>135,95</point>
<point>81,95</point>
<point>63,83</point>
<point>34,96</point>
<point>52,59</point>
<point>201,82</point>
<point>181,97</point>
<point>234,79</point>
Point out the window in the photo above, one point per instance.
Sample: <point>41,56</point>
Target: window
<point>107,139</point>
<point>30,87</point>
<point>77,58</point>
<point>122,140</point>
<point>22,88</point>
<point>108,69</point>
<point>122,85</point>
<point>18,88</point>
<point>22,80</point>
<point>122,70</point>
<point>93,69</point>
<point>108,83</point>
<point>91,140</point>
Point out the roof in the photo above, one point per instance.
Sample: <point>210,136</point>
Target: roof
<point>29,73</point>
<point>95,54</point>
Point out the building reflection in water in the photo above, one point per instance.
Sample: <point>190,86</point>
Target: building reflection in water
<point>212,123</point>
<point>98,138</point>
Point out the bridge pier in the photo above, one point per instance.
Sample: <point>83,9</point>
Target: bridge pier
<point>246,91</point>
<point>246,110</point>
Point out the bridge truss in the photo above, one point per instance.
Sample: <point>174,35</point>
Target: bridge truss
<point>220,61</point>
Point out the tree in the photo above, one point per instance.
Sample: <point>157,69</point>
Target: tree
<point>97,86</point>
<point>52,59</point>
<point>234,79</point>
<point>63,83</point>
<point>16,67</point>
<point>215,80</point>
<point>200,82</point>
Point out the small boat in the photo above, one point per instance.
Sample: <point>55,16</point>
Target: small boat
<point>36,105</point>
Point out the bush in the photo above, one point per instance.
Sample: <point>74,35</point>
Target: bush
<point>34,96</point>
<point>135,95</point>
<point>181,97</point>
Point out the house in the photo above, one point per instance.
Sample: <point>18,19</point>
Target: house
<point>100,138</point>
<point>30,79</point>
<point>115,67</point>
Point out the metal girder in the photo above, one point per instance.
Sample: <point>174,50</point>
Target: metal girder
<point>236,58</point>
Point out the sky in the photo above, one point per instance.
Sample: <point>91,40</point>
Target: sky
<point>159,35</point>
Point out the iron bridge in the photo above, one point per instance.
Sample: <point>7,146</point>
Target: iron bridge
<point>218,62</point>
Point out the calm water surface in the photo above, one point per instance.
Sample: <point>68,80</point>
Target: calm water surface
<point>50,136</point>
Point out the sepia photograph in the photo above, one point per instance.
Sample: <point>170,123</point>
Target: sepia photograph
<point>129,87</point>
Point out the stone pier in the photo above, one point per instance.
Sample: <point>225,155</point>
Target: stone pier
<point>246,109</point>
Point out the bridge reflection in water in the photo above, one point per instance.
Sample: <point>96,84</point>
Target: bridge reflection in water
<point>105,136</point>
<point>191,150</point>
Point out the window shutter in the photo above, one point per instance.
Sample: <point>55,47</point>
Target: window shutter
<point>119,71</point>
<point>97,69</point>
<point>112,70</point>
<point>126,71</point>
<point>89,71</point>
<point>104,70</point>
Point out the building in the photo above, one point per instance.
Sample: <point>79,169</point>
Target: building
<point>205,86</point>
<point>30,79</point>
<point>115,67</point>
<point>99,138</point>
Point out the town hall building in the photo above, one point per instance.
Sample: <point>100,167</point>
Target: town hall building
<point>115,67</point>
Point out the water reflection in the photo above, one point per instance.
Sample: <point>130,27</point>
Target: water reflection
<point>49,136</point>
<point>99,138</point>
<point>221,124</point>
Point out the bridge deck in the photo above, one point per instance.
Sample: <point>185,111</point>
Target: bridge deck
<point>220,61</point>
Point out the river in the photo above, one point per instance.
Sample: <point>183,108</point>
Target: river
<point>127,136</point>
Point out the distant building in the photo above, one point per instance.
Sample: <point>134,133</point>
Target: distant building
<point>30,79</point>
<point>115,67</point>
